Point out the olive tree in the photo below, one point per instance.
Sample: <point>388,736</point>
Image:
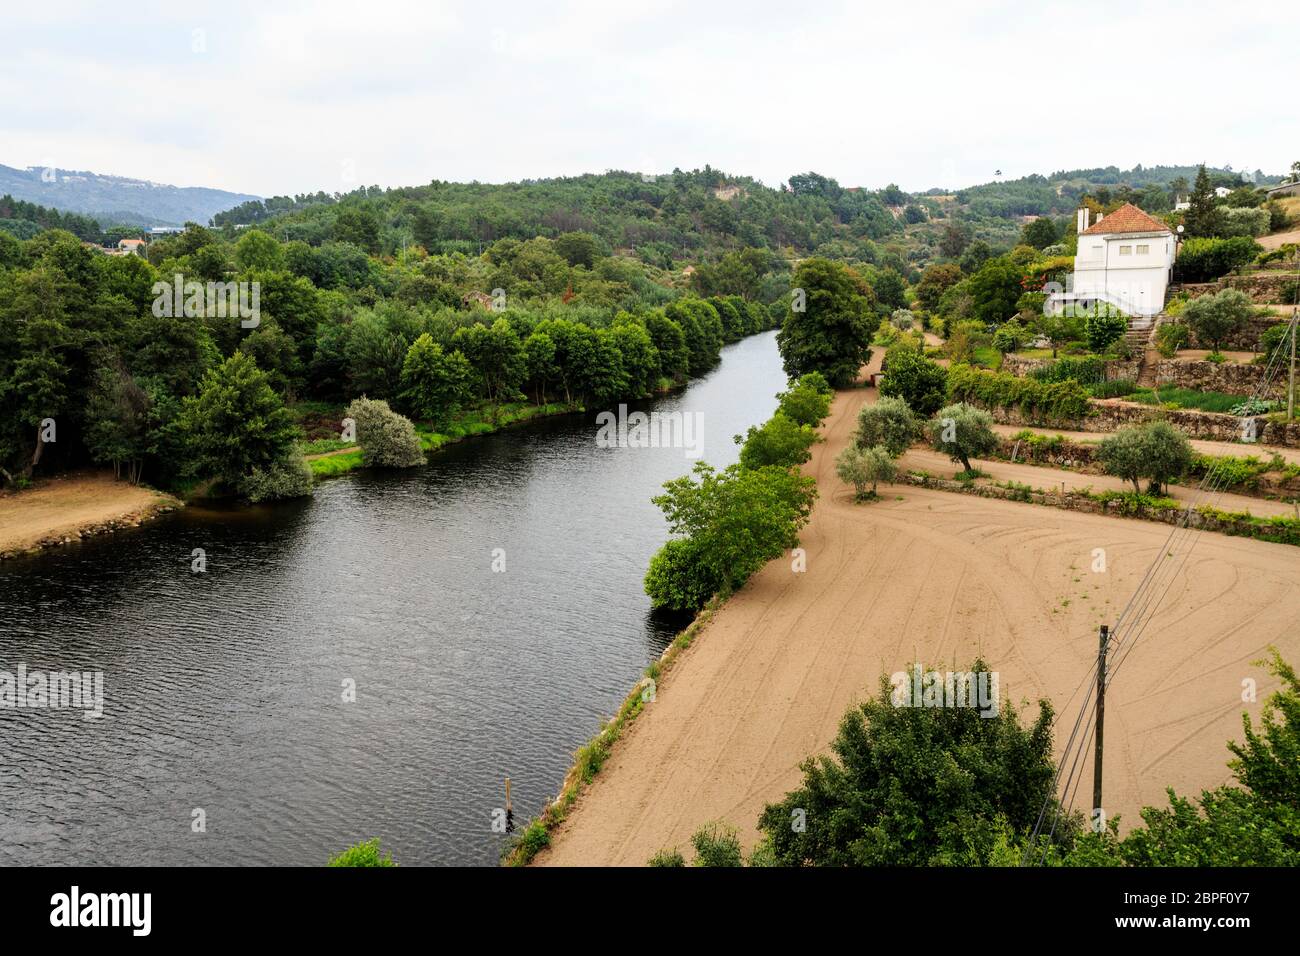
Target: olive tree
<point>860,467</point>
<point>963,432</point>
<point>889,422</point>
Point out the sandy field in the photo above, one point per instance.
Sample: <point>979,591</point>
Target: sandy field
<point>63,506</point>
<point>940,577</point>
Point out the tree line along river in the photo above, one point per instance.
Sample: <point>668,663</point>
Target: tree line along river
<point>224,691</point>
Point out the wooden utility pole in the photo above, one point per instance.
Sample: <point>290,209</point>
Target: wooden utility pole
<point>1290,389</point>
<point>1101,716</point>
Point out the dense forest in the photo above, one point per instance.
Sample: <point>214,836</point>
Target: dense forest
<point>137,362</point>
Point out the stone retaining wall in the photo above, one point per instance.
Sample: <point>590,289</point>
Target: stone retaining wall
<point>1263,288</point>
<point>1227,377</point>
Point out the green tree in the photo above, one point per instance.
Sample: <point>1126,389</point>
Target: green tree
<point>914,785</point>
<point>236,422</point>
<point>735,521</point>
<point>1203,217</point>
<point>805,403</point>
<point>909,375</point>
<point>1216,318</point>
<point>639,356</point>
<point>995,289</point>
<point>539,360</point>
<point>888,422</point>
<point>963,432</point>
<point>830,324</point>
<point>1104,326</point>
<point>497,356</point>
<point>1039,233</point>
<point>935,281</point>
<point>860,467</point>
<point>435,384</point>
<point>778,441</point>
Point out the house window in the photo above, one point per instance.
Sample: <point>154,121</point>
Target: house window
<point>1126,250</point>
<point>1143,250</point>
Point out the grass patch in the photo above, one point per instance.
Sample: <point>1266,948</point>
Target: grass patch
<point>333,465</point>
<point>1175,398</point>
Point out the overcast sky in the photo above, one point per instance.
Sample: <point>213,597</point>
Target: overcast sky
<point>273,98</point>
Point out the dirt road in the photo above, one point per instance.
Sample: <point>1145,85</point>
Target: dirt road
<point>938,577</point>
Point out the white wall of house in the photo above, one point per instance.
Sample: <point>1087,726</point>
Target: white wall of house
<point>1128,270</point>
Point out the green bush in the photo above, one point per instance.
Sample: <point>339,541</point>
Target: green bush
<point>1116,388</point>
<point>1048,401</point>
<point>1104,326</point>
<point>920,786</point>
<point>678,577</point>
<point>289,477</point>
<point>363,854</point>
<point>804,402</point>
<point>387,439</point>
<point>668,858</point>
<point>1084,370</point>
<point>1204,260</point>
<point>1156,451</point>
<point>1170,337</point>
<point>717,844</point>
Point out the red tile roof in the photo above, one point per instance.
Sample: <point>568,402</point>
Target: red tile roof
<point>1127,218</point>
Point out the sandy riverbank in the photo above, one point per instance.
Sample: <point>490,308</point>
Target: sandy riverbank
<point>940,577</point>
<point>72,507</point>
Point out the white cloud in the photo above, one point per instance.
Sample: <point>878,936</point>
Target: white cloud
<point>921,94</point>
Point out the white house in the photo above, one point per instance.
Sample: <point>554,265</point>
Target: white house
<point>1222,192</point>
<point>1126,259</point>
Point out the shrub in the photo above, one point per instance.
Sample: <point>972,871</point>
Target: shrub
<point>1170,337</point>
<point>678,579</point>
<point>736,520</point>
<point>289,477</point>
<point>962,432</point>
<point>902,319</point>
<point>1274,336</point>
<point>1009,336</point>
<point>1204,260</point>
<point>667,858</point>
<point>889,422</point>
<point>717,844</point>
<point>1116,388</point>
<point>1084,370</point>
<point>363,854</point>
<point>387,439</point>
<point>1104,326</point>
<point>1049,401</point>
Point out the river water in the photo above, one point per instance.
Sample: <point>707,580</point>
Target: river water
<point>226,737</point>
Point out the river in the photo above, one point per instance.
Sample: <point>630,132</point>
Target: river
<point>226,736</point>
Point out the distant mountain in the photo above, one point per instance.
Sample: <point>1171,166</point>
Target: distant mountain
<point>117,199</point>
